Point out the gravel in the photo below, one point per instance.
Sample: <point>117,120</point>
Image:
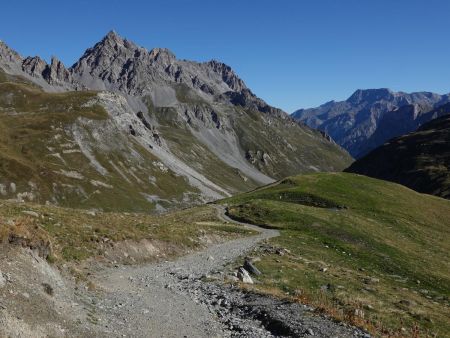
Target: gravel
<point>188,298</point>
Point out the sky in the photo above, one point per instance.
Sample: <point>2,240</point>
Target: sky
<point>292,53</point>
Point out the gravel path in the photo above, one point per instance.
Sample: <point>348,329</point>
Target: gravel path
<point>173,299</point>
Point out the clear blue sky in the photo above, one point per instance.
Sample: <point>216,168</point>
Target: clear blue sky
<point>291,53</point>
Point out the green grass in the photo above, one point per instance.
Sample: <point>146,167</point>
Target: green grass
<point>386,248</point>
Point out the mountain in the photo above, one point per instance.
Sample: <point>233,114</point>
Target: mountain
<point>419,160</point>
<point>368,118</point>
<point>131,129</point>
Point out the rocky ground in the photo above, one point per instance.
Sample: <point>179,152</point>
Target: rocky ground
<point>182,298</point>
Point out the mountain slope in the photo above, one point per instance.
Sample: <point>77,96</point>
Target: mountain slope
<point>419,160</point>
<point>366,250</point>
<point>370,117</point>
<point>135,129</point>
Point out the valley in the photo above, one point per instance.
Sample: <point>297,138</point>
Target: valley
<point>145,195</point>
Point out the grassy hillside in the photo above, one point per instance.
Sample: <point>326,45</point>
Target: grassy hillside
<point>365,250</point>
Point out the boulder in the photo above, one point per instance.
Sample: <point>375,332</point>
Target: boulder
<point>248,265</point>
<point>244,276</point>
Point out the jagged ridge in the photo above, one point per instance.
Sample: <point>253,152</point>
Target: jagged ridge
<point>370,117</point>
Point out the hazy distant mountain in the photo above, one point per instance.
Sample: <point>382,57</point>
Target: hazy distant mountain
<point>125,127</point>
<point>420,160</point>
<point>370,117</point>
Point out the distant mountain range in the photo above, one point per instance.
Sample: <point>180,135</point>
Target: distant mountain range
<point>368,118</point>
<point>419,160</point>
<point>129,128</point>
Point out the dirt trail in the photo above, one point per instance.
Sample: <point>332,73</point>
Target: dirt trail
<point>143,301</point>
<point>172,299</point>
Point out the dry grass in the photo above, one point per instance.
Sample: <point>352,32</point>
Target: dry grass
<point>353,313</point>
<point>25,231</point>
<point>62,234</point>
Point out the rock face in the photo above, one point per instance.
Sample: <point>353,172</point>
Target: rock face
<point>370,117</point>
<point>419,160</point>
<point>248,265</point>
<point>34,66</point>
<point>193,127</point>
<point>56,73</point>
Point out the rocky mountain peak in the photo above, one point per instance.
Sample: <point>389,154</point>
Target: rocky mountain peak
<point>116,42</point>
<point>107,49</point>
<point>117,64</point>
<point>370,95</point>
<point>112,36</point>
<point>107,64</point>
